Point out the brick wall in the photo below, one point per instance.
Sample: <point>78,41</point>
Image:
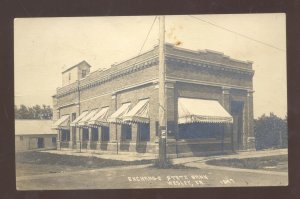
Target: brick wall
<point>190,72</point>
<point>203,82</point>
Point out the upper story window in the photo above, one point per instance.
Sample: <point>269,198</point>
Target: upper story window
<point>73,116</point>
<point>69,76</point>
<point>83,73</point>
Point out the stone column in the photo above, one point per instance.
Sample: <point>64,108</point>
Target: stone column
<point>134,138</point>
<point>71,138</point>
<point>226,103</point>
<point>113,132</point>
<point>153,113</point>
<point>58,140</point>
<point>250,130</point>
<point>90,139</point>
<point>226,98</point>
<point>134,133</point>
<point>171,119</point>
<point>99,138</point>
<point>245,122</point>
<point>119,135</point>
<point>78,138</point>
<point>171,109</point>
<point>112,146</point>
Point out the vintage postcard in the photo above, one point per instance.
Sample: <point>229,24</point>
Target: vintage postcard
<point>174,101</point>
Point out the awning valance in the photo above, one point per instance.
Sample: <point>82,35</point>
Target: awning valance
<point>84,121</point>
<point>82,115</point>
<point>204,111</point>
<point>100,118</point>
<point>139,113</point>
<point>62,122</point>
<point>116,117</point>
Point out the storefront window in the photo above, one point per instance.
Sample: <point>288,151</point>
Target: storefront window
<point>126,131</point>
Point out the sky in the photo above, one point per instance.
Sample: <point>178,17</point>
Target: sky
<point>44,47</point>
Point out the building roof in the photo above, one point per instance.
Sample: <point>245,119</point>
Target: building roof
<point>80,63</point>
<point>33,127</point>
<point>149,58</point>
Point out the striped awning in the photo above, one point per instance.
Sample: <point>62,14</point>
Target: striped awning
<point>116,117</point>
<point>139,113</point>
<point>62,123</point>
<point>84,121</point>
<point>203,111</point>
<point>100,118</point>
<point>82,115</point>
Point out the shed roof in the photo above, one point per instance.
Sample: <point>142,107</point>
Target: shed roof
<point>80,63</point>
<point>33,127</point>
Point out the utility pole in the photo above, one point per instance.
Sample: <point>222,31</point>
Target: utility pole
<point>162,95</point>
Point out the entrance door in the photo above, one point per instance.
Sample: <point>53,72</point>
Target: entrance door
<point>40,143</point>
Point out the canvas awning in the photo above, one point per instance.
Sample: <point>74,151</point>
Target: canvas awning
<point>100,118</point>
<point>139,113</point>
<point>87,117</point>
<point>62,122</point>
<point>203,111</point>
<point>116,117</point>
<point>82,115</point>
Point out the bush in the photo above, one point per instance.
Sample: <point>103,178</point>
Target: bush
<point>270,132</point>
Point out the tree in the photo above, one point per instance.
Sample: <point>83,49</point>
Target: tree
<point>23,112</point>
<point>17,114</point>
<point>270,132</point>
<point>35,112</point>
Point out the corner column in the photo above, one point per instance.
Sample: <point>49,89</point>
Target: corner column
<point>250,130</point>
<point>153,110</point>
<point>171,106</point>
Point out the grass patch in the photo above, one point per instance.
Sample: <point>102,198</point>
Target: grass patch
<point>275,163</point>
<point>36,163</point>
<point>40,158</point>
<point>169,165</point>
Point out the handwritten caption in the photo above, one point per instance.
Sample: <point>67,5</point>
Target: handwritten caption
<point>180,180</point>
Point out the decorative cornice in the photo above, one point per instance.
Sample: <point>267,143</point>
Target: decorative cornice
<point>66,105</point>
<point>208,64</point>
<point>207,83</point>
<point>111,76</point>
<point>150,59</point>
<point>225,90</point>
<point>115,92</point>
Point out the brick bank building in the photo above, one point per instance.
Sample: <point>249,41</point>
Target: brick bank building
<point>209,104</point>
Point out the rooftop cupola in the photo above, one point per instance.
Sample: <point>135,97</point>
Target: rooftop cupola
<point>76,72</point>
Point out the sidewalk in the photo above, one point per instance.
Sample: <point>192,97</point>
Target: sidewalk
<point>238,155</point>
<point>127,156</point>
<point>122,156</point>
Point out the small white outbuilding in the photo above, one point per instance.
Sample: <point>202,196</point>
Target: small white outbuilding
<point>34,135</point>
